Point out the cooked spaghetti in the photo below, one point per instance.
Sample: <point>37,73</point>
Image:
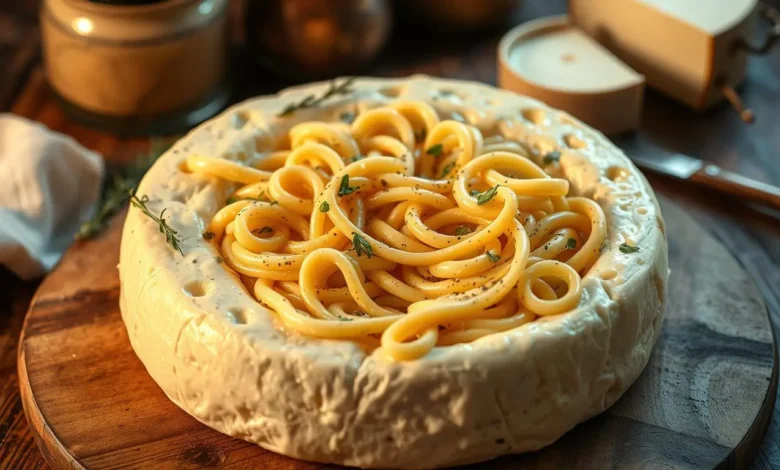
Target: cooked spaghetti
<point>404,227</point>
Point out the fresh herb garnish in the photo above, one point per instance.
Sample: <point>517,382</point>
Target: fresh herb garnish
<point>355,158</point>
<point>170,233</point>
<point>627,249</point>
<point>474,192</point>
<point>571,244</point>
<point>447,169</point>
<point>360,245</point>
<point>484,198</point>
<point>345,188</point>
<point>312,101</point>
<point>208,235</point>
<point>462,230</point>
<point>347,116</point>
<point>117,193</point>
<point>494,258</point>
<point>324,207</point>
<point>552,157</point>
<point>435,150</point>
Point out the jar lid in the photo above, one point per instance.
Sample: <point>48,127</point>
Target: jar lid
<point>555,62</point>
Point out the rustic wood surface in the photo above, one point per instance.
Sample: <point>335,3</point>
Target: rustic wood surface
<point>708,392</point>
<point>751,233</point>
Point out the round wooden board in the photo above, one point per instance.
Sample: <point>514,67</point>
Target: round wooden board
<point>704,400</point>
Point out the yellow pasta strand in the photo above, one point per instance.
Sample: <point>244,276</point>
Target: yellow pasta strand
<point>402,231</point>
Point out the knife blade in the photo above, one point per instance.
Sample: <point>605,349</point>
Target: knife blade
<point>687,168</point>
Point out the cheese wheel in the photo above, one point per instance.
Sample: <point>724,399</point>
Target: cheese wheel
<point>229,361</point>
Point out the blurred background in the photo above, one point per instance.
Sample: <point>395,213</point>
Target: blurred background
<point>159,72</point>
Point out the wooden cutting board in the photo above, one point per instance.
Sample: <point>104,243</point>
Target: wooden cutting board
<point>704,400</point>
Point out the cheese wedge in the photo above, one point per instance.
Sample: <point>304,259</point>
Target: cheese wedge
<point>685,48</point>
<point>560,65</point>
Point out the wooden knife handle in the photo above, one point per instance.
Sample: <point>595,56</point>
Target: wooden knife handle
<point>737,185</point>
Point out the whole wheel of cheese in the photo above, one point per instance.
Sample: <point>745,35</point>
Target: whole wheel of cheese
<point>228,360</point>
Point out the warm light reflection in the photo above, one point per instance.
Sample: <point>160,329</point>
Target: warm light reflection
<point>83,25</point>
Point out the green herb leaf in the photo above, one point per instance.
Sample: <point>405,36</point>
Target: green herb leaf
<point>484,198</point>
<point>552,157</point>
<point>494,258</point>
<point>474,192</point>
<point>208,235</point>
<point>347,116</point>
<point>447,169</point>
<point>355,158</point>
<point>360,245</point>
<point>627,249</point>
<point>117,193</point>
<point>324,207</point>
<point>231,200</point>
<point>344,187</point>
<point>435,150</point>
<point>312,101</point>
<point>462,230</point>
<point>170,233</point>
<point>571,244</point>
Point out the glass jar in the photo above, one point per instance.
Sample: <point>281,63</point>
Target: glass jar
<point>137,66</point>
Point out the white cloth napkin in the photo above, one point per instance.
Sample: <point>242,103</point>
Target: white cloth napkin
<point>49,184</point>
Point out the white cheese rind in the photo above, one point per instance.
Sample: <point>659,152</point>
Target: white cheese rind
<point>222,357</point>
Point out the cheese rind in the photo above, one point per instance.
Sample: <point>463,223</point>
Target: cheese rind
<point>226,360</point>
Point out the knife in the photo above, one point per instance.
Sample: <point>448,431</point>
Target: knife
<point>712,176</point>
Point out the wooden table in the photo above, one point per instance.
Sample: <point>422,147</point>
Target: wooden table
<point>751,233</point>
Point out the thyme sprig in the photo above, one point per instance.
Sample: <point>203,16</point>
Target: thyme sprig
<point>118,191</point>
<point>435,150</point>
<point>361,245</point>
<point>311,101</point>
<point>344,188</point>
<point>447,169</point>
<point>485,197</point>
<point>628,249</point>
<point>167,230</point>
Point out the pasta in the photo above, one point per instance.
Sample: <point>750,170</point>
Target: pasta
<point>403,230</point>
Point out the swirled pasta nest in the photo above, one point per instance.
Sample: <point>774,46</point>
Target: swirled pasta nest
<point>403,229</point>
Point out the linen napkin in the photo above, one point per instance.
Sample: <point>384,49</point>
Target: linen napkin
<point>49,185</point>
